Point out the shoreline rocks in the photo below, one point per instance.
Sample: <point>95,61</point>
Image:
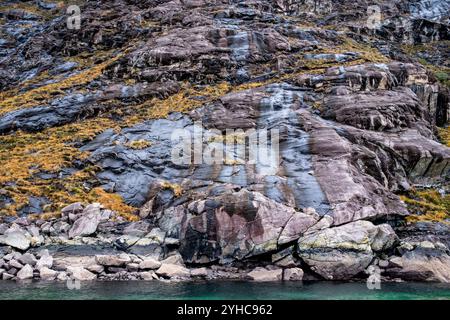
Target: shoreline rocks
<point>324,252</point>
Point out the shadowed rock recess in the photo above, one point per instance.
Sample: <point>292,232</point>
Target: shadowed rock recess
<point>88,186</point>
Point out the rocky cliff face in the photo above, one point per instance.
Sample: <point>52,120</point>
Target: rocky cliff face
<point>358,94</point>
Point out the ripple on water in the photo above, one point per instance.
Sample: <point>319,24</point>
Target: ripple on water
<point>215,290</point>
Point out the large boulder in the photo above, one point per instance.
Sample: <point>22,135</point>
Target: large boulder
<point>293,274</point>
<point>417,265</point>
<point>45,261</point>
<point>233,225</point>
<point>263,275</point>
<point>62,262</point>
<point>16,238</point>
<point>172,271</point>
<point>113,260</point>
<point>81,274</point>
<point>47,274</point>
<point>87,224</point>
<point>28,258</point>
<point>25,273</point>
<point>423,253</point>
<point>149,264</point>
<point>343,252</point>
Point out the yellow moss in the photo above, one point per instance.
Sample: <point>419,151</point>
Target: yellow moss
<point>444,134</point>
<point>436,216</point>
<point>150,24</point>
<point>442,73</point>
<point>23,155</point>
<point>45,216</point>
<point>427,205</point>
<point>180,102</point>
<point>234,138</point>
<point>139,144</point>
<point>233,162</point>
<point>176,188</point>
<point>368,53</point>
<point>39,95</point>
<point>113,202</point>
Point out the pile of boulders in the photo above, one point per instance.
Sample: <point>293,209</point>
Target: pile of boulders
<point>29,250</point>
<point>122,266</point>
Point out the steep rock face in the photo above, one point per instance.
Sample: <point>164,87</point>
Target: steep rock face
<point>94,115</point>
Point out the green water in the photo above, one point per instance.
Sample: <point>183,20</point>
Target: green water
<point>227,290</point>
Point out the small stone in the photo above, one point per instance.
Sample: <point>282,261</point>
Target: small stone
<point>7,276</point>
<point>28,258</point>
<point>23,221</point>
<point>25,273</point>
<point>171,241</point>
<point>157,235</point>
<point>73,208</point>
<point>173,271</point>
<point>8,256</point>
<point>293,274</point>
<point>137,229</point>
<point>286,262</point>
<point>95,268</point>
<point>149,264</point>
<point>427,245</point>
<point>113,260</point>
<point>147,275</point>
<point>46,228</point>
<point>13,271</point>
<point>385,238</point>
<point>33,231</point>
<point>16,239</point>
<point>62,276</point>
<point>116,270</point>
<point>81,274</point>
<point>3,228</point>
<point>16,255</point>
<point>174,259</point>
<point>133,267</point>
<point>404,247</point>
<point>47,274</point>
<point>262,274</point>
<point>310,211</point>
<point>106,215</point>
<point>42,253</point>
<point>60,227</point>
<point>383,263</point>
<point>15,264</point>
<point>87,224</point>
<point>396,262</point>
<point>73,217</point>
<point>199,272</point>
<point>45,261</point>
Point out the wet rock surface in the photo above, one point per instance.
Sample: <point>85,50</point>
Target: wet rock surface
<point>90,121</point>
